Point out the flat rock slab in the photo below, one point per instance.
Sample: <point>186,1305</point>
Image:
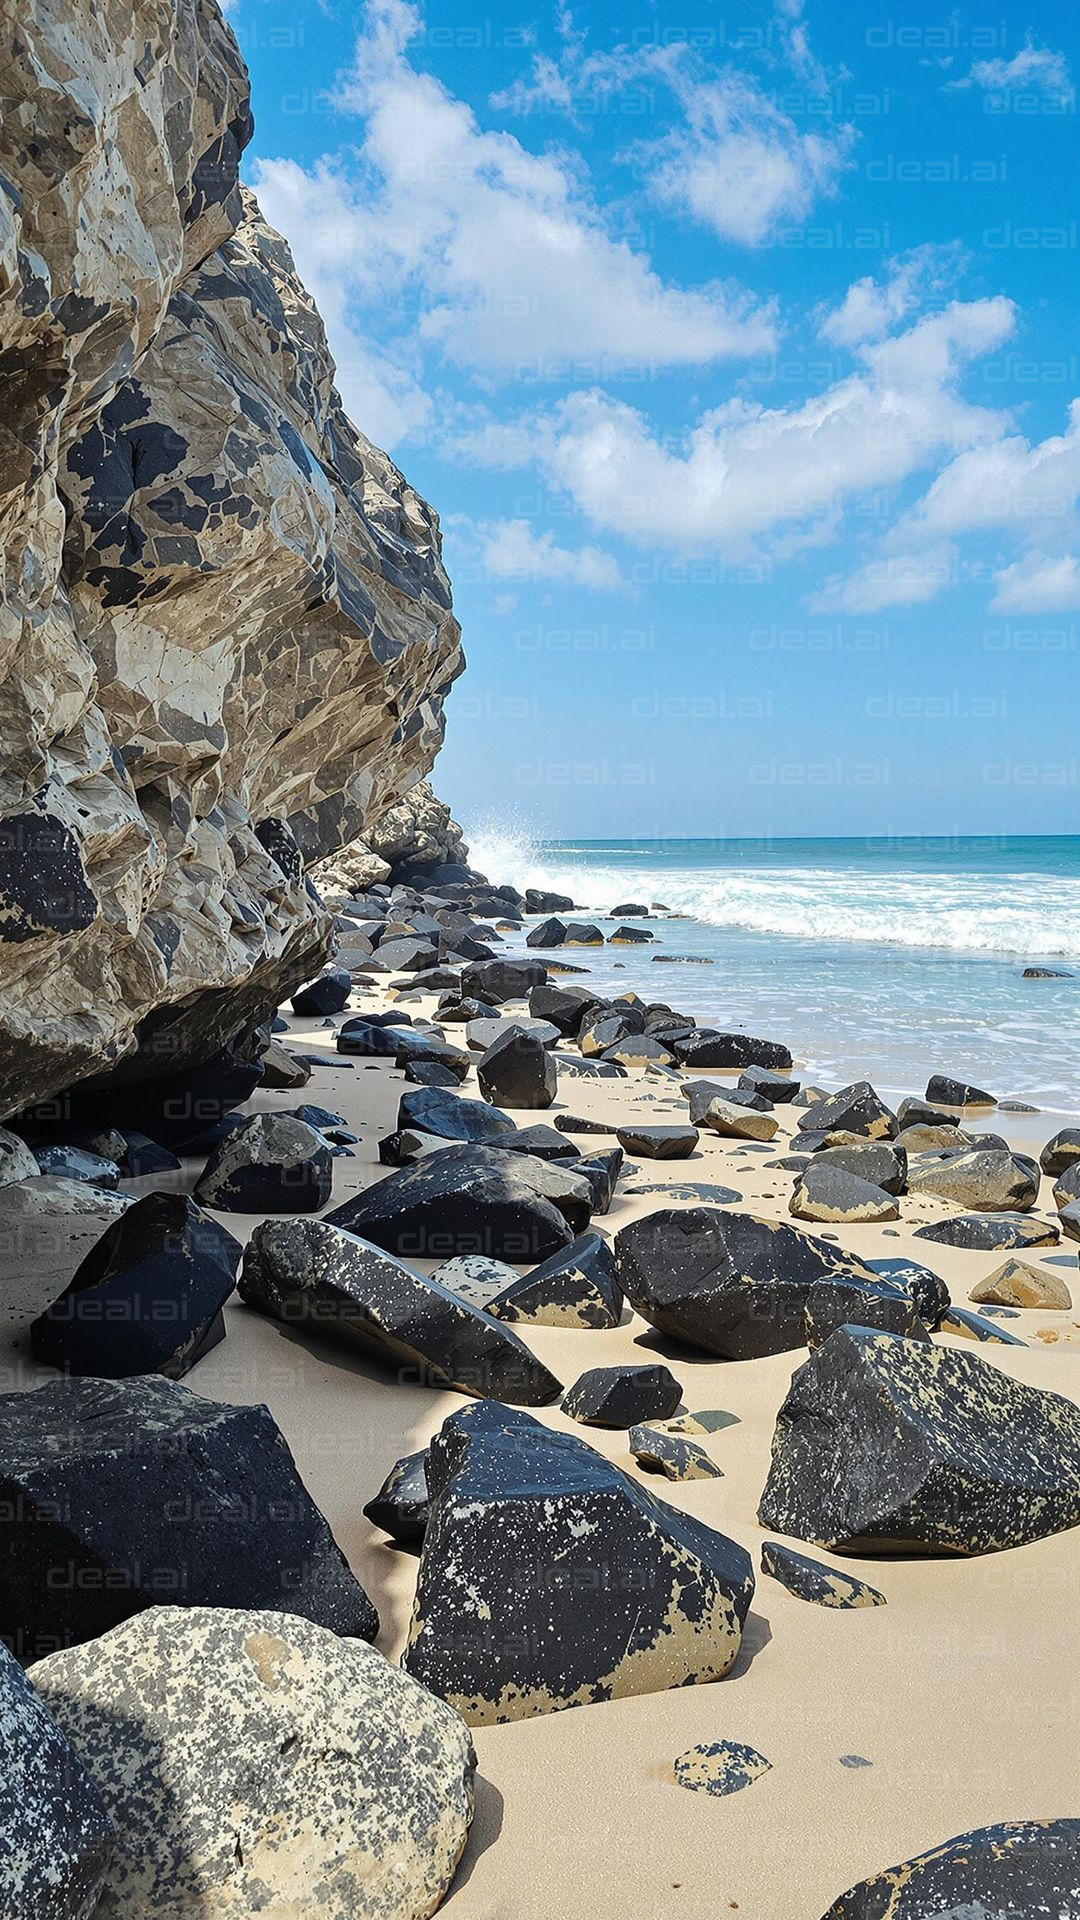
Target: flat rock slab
<point>661,1451</point>
<point>148,1298</point>
<point>147,1494</point>
<point>621,1396</point>
<point>1026,1869</point>
<point>720,1767</point>
<point>1018,1284</point>
<point>812,1580</point>
<point>731,1283</point>
<point>658,1143</point>
<point>464,1200</point>
<point>502,1637</point>
<point>310,1273</point>
<point>253,1762</point>
<point>705,1192</point>
<point>886,1445</point>
<point>58,1839</point>
<point>986,1232</point>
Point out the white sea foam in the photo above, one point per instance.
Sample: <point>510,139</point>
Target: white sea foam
<point>1014,913</point>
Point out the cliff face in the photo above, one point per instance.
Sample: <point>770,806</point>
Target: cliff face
<point>225,629</point>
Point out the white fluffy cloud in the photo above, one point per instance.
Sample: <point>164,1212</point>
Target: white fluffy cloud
<point>872,308</point>
<point>1033,69</point>
<point>748,478</point>
<point>512,551</point>
<point>496,257</point>
<point>738,164</point>
<point>901,579</point>
<point>1039,583</point>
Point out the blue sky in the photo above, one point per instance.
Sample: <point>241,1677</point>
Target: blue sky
<point>739,356</point>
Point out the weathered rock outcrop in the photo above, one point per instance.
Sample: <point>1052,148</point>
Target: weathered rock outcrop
<point>225,629</point>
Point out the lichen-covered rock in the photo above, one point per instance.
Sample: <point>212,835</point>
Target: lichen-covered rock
<point>225,629</point>
<point>550,1579</point>
<point>1026,1869</point>
<point>890,1445</point>
<point>255,1763</point>
<point>812,1580</point>
<point>731,1283</point>
<point>148,1298</point>
<point>310,1273</point>
<point>671,1455</point>
<point>142,1494</point>
<point>574,1288</point>
<point>56,1839</point>
<point>719,1767</point>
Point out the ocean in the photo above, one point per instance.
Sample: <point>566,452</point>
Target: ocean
<point>886,959</point>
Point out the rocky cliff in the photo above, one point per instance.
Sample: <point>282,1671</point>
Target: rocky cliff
<point>225,629</point>
<point>415,834</point>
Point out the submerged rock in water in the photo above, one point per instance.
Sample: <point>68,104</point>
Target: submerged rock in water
<point>891,1446</point>
<point>254,1762</point>
<point>146,1495</point>
<point>310,1273</point>
<point>550,1579</point>
<point>1025,1869</point>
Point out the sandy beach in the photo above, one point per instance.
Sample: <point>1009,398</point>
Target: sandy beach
<point>887,1729</point>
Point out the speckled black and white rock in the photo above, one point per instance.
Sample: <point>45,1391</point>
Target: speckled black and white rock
<point>881,1162</point>
<point>310,1273</point>
<point>702,1093</point>
<point>733,1121</point>
<point>148,1298</point>
<point>56,1839</point>
<point>731,1283</point>
<point>575,1288</point>
<point>270,1163</point>
<point>889,1445</point>
<point>16,1160</point>
<point>812,1580</point>
<point>517,1071</point>
<point>875,1302</point>
<point>327,993</point>
<point>986,1232</point>
<point>255,1763</point>
<point>942,1091</point>
<point>623,1396</point>
<point>551,1579</point>
<point>1016,1283</point>
<point>1060,1153</point>
<point>450,1116</point>
<point>145,1495</point>
<point>829,1194</point>
<point>658,1143</point>
<point>777,1087</point>
<point>719,1767</point>
<point>927,1288</point>
<point>400,1507</point>
<point>475,1278</point>
<point>989,1181</point>
<point>706,1048</point>
<point>856,1109</point>
<point>470,1200</point>
<point>1025,1869</point>
<point>671,1455</point>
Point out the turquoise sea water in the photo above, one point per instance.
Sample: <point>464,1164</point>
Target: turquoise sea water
<point>889,958</point>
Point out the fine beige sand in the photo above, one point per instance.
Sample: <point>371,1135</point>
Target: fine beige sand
<point>960,1697</point>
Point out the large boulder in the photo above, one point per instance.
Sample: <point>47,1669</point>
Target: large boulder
<point>517,1071</point>
<point>988,1180</point>
<point>1026,1869</point>
<point>270,1163</point>
<point>307,1273</point>
<point>255,1763</point>
<point>148,1298</point>
<point>142,1494</point>
<point>550,1579</point>
<point>886,1445</point>
<point>470,1200</point>
<point>226,629</point>
<point>56,1838</point>
<point>497,981</point>
<point>706,1048</point>
<point>1061,1153</point>
<point>447,1115</point>
<point>830,1194</point>
<point>731,1283</point>
<point>623,1396</point>
<point>574,1288</point>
